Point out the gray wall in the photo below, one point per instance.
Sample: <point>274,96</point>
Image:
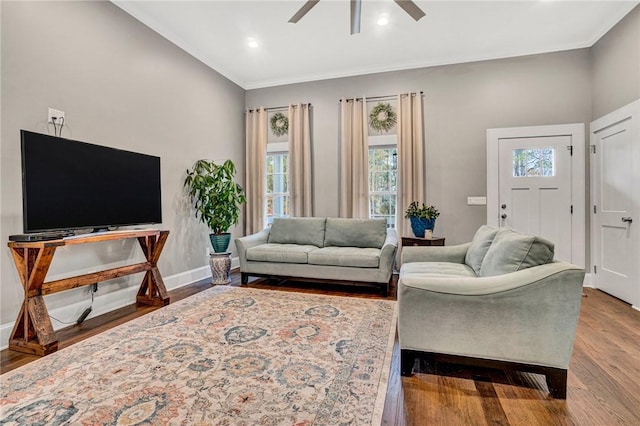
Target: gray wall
<point>121,85</point>
<point>615,62</point>
<point>460,103</point>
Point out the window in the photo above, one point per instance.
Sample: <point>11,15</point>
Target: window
<point>383,172</point>
<point>276,194</point>
<point>533,162</point>
<point>277,191</point>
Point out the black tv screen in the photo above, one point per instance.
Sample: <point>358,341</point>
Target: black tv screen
<point>68,184</point>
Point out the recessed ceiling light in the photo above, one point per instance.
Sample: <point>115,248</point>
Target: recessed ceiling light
<point>252,43</point>
<point>383,20</point>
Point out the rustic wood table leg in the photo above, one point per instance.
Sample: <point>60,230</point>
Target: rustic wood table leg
<point>33,332</point>
<point>152,290</point>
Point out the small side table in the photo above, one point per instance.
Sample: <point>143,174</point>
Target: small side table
<point>220,268</point>
<point>413,241</point>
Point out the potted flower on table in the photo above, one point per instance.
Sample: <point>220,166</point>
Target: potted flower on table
<point>422,217</point>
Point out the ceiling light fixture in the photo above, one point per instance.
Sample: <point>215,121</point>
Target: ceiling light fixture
<point>383,20</point>
<point>252,43</point>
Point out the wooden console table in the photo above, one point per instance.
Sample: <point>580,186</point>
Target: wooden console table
<point>33,332</point>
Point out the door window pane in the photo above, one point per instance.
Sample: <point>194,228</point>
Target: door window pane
<point>533,162</point>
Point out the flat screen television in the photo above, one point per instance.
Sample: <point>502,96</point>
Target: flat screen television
<point>68,184</point>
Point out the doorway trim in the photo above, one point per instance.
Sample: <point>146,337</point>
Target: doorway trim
<point>578,191</point>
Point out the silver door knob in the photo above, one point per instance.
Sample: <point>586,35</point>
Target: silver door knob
<point>627,219</point>
<point>503,215</point>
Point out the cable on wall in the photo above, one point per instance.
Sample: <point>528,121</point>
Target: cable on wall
<point>58,124</point>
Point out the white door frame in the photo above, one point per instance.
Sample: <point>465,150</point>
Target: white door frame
<point>630,111</point>
<point>576,132</point>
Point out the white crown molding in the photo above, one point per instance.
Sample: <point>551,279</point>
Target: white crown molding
<point>131,8</point>
<point>136,10</point>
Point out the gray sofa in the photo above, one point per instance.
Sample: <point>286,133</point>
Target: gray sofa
<point>359,251</point>
<point>499,301</point>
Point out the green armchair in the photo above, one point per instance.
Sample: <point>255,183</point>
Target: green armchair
<point>500,301</point>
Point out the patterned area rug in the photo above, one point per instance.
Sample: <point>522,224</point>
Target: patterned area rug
<point>226,356</point>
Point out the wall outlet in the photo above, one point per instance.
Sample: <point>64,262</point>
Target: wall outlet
<point>476,201</point>
<point>55,113</point>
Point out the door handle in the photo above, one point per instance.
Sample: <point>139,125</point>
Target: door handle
<point>627,219</point>
<point>503,215</point>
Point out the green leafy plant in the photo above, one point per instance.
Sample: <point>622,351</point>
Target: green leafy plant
<point>216,197</point>
<point>424,211</point>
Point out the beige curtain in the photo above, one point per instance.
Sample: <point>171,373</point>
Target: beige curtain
<point>256,151</point>
<point>410,158</point>
<point>354,159</point>
<point>300,195</point>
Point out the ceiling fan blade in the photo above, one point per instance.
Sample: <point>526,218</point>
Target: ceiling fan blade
<point>411,8</point>
<point>303,10</point>
<point>355,16</point>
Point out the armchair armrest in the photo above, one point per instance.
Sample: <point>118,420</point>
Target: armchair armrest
<point>453,254</point>
<point>477,286</point>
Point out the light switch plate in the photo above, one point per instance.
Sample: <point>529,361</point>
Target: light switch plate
<point>476,201</point>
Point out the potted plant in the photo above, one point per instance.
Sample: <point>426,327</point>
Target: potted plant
<point>216,198</point>
<point>421,217</point>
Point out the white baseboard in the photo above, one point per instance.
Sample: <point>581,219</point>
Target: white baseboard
<point>588,280</point>
<point>104,303</point>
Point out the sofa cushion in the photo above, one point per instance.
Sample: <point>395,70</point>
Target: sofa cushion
<point>298,230</point>
<point>479,245</point>
<point>355,232</point>
<point>512,251</point>
<point>280,253</point>
<point>346,256</point>
<point>427,269</point>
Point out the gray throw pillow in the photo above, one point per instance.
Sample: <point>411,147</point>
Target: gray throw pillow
<point>355,232</point>
<point>298,230</point>
<point>512,251</point>
<point>479,246</point>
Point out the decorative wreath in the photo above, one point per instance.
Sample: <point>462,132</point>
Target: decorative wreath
<point>279,124</point>
<point>382,117</point>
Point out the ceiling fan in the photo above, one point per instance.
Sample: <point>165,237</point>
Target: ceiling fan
<point>407,5</point>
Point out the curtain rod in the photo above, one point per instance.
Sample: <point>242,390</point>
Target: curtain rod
<point>280,107</point>
<point>380,97</point>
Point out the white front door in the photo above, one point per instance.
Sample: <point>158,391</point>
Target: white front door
<point>535,189</point>
<point>616,239</point>
<point>536,186</point>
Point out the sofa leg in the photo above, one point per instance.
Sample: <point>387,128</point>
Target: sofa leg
<point>244,278</point>
<point>407,359</point>
<point>557,383</point>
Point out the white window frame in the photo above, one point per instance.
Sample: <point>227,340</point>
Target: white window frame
<point>383,142</point>
<point>275,148</point>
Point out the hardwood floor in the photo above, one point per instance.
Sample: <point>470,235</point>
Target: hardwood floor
<point>603,384</point>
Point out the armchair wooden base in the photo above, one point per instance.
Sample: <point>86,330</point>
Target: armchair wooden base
<point>556,377</point>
